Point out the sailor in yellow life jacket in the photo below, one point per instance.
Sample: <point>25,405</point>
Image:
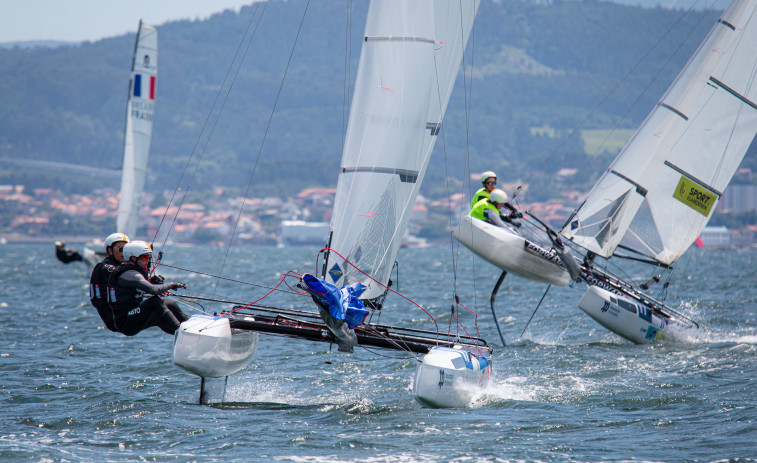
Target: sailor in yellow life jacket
<point>488,209</point>
<point>488,180</point>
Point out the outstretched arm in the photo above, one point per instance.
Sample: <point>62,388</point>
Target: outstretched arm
<point>133,279</point>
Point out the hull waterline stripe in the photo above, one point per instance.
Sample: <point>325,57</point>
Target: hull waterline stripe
<point>406,176</point>
<point>733,92</point>
<point>691,177</point>
<point>677,112</point>
<point>639,189</point>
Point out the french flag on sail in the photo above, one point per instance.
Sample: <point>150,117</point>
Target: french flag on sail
<point>144,88</point>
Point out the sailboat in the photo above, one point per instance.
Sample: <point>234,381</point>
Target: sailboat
<point>140,109</point>
<point>662,189</point>
<point>410,57</point>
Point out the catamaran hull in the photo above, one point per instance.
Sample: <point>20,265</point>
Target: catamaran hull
<point>91,257</point>
<point>207,346</point>
<point>450,378</point>
<point>624,316</point>
<point>504,248</point>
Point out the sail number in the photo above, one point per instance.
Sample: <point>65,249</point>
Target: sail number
<point>695,196</point>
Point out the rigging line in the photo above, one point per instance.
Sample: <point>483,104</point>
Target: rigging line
<point>347,69</point>
<point>387,288</point>
<point>537,308</point>
<point>262,142</point>
<point>649,84</point>
<point>219,277</point>
<point>215,122</point>
<point>399,343</point>
<point>620,82</point>
<point>205,123</point>
<point>466,165</point>
<point>450,211</point>
<point>491,303</point>
<point>379,354</point>
<point>275,288</point>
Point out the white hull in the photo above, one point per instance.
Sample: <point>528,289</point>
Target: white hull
<point>624,316</point>
<point>506,249</point>
<point>90,257</point>
<point>298,232</point>
<point>207,346</point>
<point>450,378</point>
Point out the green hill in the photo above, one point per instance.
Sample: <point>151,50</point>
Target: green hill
<point>564,65</point>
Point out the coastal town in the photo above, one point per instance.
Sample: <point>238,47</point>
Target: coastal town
<point>47,214</point>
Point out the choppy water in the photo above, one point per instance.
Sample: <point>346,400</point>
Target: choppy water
<point>566,391</point>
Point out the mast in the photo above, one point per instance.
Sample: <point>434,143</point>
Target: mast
<point>663,187</point>
<point>409,61</point>
<point>140,108</point>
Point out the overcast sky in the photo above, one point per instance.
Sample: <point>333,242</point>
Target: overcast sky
<point>79,20</point>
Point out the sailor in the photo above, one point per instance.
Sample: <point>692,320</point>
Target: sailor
<point>66,255</point>
<point>127,286</point>
<point>98,282</point>
<point>489,181</point>
<point>488,209</point>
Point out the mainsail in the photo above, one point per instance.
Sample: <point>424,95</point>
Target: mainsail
<point>662,189</point>
<point>410,59</point>
<point>139,115</point>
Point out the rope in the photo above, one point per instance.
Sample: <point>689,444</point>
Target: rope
<point>615,88</point>
<point>207,119</point>
<point>262,143</point>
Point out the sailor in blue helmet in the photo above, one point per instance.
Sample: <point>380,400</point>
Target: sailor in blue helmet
<point>98,282</point>
<point>127,287</point>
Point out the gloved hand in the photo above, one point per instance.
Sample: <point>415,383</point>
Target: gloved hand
<point>157,279</point>
<point>516,215</point>
<point>178,286</point>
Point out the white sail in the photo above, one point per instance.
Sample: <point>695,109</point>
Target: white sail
<point>661,190</point>
<point>139,115</point>
<point>410,59</point>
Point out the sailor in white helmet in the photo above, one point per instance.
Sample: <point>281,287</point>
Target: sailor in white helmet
<point>488,209</point>
<point>127,287</point>
<point>489,182</point>
<point>98,282</point>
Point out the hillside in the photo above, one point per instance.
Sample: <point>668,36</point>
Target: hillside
<point>539,71</point>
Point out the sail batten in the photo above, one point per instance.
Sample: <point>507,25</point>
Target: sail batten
<point>410,58</point>
<point>733,92</point>
<point>683,155</point>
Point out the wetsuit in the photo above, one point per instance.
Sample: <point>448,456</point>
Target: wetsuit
<point>132,313</point>
<point>67,255</point>
<point>98,289</point>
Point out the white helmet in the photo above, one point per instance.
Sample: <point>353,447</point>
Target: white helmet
<point>136,249</point>
<point>486,175</point>
<point>115,238</point>
<point>498,196</point>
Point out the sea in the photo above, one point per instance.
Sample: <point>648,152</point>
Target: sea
<point>563,388</point>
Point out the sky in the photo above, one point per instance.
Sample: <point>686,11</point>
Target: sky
<point>80,20</point>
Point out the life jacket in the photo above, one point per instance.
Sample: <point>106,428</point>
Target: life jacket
<point>121,299</point>
<point>478,196</point>
<point>98,289</point>
<point>478,210</point>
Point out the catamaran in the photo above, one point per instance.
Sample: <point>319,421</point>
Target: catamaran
<point>656,197</point>
<point>410,57</point>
